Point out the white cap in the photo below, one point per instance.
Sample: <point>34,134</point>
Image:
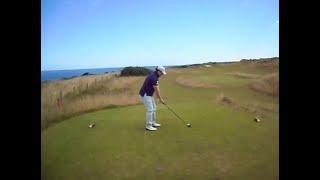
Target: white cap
<point>162,69</point>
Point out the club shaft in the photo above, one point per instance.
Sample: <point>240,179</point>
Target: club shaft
<point>175,114</point>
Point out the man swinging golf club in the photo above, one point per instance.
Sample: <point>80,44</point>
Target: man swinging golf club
<point>150,85</point>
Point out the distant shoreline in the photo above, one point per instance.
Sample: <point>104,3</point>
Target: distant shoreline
<point>51,75</point>
<point>70,74</point>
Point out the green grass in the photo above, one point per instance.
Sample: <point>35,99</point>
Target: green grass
<point>223,79</point>
<point>222,143</point>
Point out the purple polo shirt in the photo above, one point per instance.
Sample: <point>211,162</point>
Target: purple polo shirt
<point>150,81</point>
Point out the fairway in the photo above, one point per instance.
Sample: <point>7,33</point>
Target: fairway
<point>224,141</point>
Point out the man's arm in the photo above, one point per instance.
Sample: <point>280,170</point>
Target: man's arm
<point>156,88</point>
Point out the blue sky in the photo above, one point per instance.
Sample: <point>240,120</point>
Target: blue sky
<point>78,34</point>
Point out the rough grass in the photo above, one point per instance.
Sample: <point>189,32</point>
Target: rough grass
<point>86,94</point>
<point>258,108</point>
<point>268,84</point>
<point>221,98</point>
<point>264,64</point>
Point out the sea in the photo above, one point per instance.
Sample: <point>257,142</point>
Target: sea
<point>66,74</point>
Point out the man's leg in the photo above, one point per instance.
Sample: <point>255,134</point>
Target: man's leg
<point>147,100</point>
<point>154,119</point>
<point>154,107</point>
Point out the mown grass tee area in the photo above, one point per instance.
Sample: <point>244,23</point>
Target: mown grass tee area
<point>219,100</point>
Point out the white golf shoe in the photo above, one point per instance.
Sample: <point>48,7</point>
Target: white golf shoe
<point>150,128</point>
<point>156,125</point>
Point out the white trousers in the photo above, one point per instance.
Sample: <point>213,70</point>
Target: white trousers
<point>151,107</point>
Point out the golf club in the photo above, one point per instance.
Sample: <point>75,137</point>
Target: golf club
<point>188,125</point>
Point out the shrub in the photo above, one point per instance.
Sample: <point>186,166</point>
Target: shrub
<point>135,71</point>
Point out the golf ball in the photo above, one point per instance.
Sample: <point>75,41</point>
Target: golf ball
<point>189,125</point>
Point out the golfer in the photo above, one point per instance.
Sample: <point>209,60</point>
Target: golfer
<point>151,84</point>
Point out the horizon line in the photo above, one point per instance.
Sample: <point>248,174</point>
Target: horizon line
<point>156,65</point>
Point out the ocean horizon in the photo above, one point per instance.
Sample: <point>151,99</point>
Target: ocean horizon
<point>49,75</point>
